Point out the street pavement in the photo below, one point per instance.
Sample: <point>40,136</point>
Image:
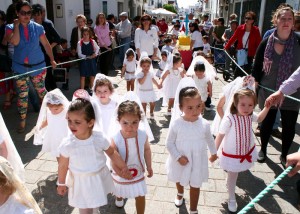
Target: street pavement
<point>41,169</point>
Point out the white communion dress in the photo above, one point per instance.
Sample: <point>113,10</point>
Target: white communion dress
<point>190,139</point>
<point>132,152</point>
<point>171,82</point>
<point>237,151</point>
<point>202,85</point>
<point>13,206</point>
<point>89,179</point>
<point>145,91</point>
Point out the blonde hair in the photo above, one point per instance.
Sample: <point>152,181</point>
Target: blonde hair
<point>6,187</point>
<point>239,94</point>
<point>80,16</point>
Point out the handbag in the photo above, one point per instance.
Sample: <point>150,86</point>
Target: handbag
<point>242,55</point>
<point>60,75</point>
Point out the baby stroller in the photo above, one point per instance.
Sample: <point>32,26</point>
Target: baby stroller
<point>219,58</point>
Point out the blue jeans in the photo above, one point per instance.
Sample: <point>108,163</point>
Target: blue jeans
<point>124,48</point>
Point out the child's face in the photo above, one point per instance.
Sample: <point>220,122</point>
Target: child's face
<point>79,126</point>
<point>86,35</point>
<point>192,108</point>
<point>129,125</point>
<point>245,106</point>
<point>146,67</point>
<point>200,74</point>
<point>177,65</point>
<point>130,58</point>
<point>103,93</point>
<point>56,109</point>
<point>210,60</point>
<point>64,45</point>
<point>164,58</point>
<point>204,41</point>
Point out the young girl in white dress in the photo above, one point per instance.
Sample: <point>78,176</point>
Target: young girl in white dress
<point>133,146</point>
<point>163,63</point>
<point>82,165</point>
<point>14,197</point>
<point>170,80</point>
<point>235,141</point>
<point>52,125</point>
<point>106,99</point>
<point>9,151</point>
<point>187,141</point>
<point>145,80</point>
<point>129,69</point>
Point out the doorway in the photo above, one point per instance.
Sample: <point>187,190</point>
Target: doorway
<point>49,10</point>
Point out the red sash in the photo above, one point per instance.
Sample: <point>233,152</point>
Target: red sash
<point>247,156</point>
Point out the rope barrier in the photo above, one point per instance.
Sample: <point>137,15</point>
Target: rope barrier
<point>271,90</point>
<point>62,63</point>
<point>265,191</point>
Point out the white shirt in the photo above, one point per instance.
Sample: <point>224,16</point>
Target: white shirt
<point>146,41</point>
<point>124,29</point>
<point>197,37</point>
<point>245,38</point>
<point>206,48</point>
<point>130,65</point>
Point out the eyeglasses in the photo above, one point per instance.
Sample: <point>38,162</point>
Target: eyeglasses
<point>248,18</point>
<point>24,13</point>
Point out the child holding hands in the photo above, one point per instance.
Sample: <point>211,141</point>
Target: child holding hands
<point>82,166</point>
<point>187,141</point>
<point>132,144</point>
<point>235,141</point>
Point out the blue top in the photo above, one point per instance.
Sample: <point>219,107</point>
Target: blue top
<point>28,48</point>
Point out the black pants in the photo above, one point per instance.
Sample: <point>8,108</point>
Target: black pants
<point>105,60</point>
<point>288,121</point>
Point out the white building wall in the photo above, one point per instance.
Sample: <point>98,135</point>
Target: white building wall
<point>95,7</point>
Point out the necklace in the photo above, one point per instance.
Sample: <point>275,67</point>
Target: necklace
<point>279,41</point>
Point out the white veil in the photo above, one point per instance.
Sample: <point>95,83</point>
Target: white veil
<point>209,69</point>
<point>54,97</point>
<point>184,82</point>
<point>22,193</point>
<point>144,125</point>
<point>81,93</point>
<point>12,154</point>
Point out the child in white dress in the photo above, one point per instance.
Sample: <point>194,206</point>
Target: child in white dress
<point>82,165</point>
<point>235,141</point>
<point>187,141</point>
<point>145,80</point>
<point>133,146</point>
<point>103,92</point>
<point>52,125</point>
<point>170,80</point>
<point>129,69</point>
<point>14,196</point>
<point>162,64</point>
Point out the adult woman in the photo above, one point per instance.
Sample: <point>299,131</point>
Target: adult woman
<point>26,37</point>
<point>146,38</point>
<point>248,37</point>
<point>196,37</point>
<point>276,59</point>
<point>218,32</point>
<point>102,31</point>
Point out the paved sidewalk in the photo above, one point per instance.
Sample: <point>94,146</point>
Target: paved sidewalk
<point>41,171</point>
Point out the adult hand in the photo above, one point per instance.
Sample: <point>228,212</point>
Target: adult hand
<point>16,22</point>
<point>275,99</point>
<point>293,159</point>
<point>53,64</point>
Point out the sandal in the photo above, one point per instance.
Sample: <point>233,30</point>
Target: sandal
<point>22,125</point>
<point>178,202</point>
<point>6,105</point>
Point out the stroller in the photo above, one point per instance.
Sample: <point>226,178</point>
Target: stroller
<point>219,58</point>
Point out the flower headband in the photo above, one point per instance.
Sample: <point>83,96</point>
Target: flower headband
<point>248,83</point>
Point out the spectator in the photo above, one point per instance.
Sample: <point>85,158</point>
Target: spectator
<point>28,56</point>
<point>207,24</point>
<point>275,62</point>
<point>102,32</point>
<point>146,38</point>
<point>247,37</point>
<point>123,30</point>
<point>218,32</point>
<point>232,17</point>
<point>163,26</point>
<point>196,38</point>
<point>90,23</point>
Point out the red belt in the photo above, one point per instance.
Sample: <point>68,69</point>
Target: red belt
<point>247,156</point>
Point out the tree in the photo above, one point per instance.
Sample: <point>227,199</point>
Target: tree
<point>169,7</point>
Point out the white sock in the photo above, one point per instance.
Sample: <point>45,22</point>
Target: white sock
<point>231,183</point>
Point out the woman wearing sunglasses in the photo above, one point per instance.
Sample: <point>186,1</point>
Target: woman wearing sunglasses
<point>26,37</point>
<point>146,38</point>
<point>248,37</point>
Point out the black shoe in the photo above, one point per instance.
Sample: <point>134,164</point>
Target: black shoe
<point>276,133</point>
<point>283,161</point>
<point>261,157</point>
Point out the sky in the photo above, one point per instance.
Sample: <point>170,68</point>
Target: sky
<point>186,3</point>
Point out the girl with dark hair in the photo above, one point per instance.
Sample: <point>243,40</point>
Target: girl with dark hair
<point>196,37</point>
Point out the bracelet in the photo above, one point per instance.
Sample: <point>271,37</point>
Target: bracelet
<point>60,185</point>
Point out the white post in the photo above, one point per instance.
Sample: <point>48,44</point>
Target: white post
<point>262,14</point>
<point>241,11</point>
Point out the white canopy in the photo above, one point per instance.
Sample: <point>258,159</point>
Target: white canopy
<point>161,11</point>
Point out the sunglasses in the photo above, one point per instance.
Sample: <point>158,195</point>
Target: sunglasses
<point>24,13</point>
<point>248,18</point>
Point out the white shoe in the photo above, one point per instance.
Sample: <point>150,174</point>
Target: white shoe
<point>119,204</point>
<point>178,202</point>
<point>168,113</point>
<point>232,205</point>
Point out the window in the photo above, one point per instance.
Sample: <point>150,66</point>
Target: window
<point>104,6</point>
<point>86,8</point>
